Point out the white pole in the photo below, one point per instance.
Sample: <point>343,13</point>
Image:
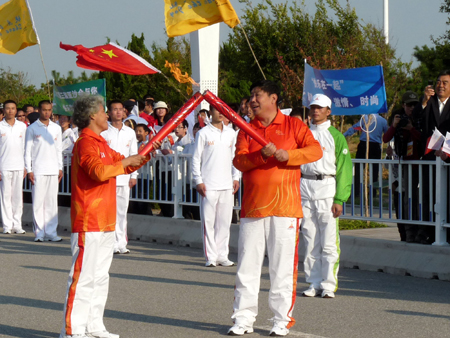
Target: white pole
<point>386,20</point>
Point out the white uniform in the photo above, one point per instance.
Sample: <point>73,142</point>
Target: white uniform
<point>124,141</point>
<point>319,228</point>
<point>43,157</point>
<point>12,145</point>
<point>68,140</point>
<point>212,165</point>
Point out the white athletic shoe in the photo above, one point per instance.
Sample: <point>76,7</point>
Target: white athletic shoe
<point>7,231</point>
<point>210,264</point>
<point>38,239</point>
<point>279,330</point>
<point>327,294</point>
<point>124,251</point>
<point>19,231</point>
<point>311,291</point>
<point>102,334</point>
<point>240,330</point>
<point>74,336</point>
<point>225,263</point>
<point>55,239</point>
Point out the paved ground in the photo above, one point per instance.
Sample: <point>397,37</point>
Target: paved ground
<point>164,291</point>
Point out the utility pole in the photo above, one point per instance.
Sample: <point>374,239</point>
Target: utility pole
<point>386,20</point>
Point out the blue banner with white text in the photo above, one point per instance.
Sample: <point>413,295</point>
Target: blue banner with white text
<point>355,91</point>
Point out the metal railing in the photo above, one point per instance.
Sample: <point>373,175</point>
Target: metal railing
<point>408,192</point>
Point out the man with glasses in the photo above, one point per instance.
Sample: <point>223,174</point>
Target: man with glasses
<point>147,114</point>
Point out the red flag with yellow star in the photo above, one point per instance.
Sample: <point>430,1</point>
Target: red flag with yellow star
<point>111,58</point>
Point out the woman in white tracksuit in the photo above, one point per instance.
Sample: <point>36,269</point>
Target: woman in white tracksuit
<point>325,186</point>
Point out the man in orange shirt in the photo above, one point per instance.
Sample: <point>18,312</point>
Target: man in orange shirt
<point>93,213</point>
<point>271,209</point>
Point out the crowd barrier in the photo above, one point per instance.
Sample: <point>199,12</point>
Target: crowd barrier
<point>424,187</point>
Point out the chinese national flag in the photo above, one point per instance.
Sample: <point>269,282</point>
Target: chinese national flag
<point>111,58</point>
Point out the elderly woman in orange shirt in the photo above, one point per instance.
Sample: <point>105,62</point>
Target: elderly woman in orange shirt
<point>93,213</point>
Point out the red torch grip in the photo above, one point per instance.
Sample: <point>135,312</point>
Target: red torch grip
<point>223,108</point>
<point>175,120</point>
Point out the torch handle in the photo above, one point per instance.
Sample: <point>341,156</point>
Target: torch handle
<point>223,108</point>
<point>174,121</point>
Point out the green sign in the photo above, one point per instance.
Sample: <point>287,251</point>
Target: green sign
<point>65,96</point>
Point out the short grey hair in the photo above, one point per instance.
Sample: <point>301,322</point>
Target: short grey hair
<point>84,107</point>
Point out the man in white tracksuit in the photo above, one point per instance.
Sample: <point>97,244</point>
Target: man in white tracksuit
<point>123,140</point>
<point>12,146</point>
<point>325,186</point>
<point>43,162</point>
<point>216,180</point>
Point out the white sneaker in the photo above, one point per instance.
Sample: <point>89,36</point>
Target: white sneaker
<point>38,239</point>
<point>225,263</point>
<point>311,292</point>
<point>19,231</point>
<point>210,264</point>
<point>124,251</point>
<point>116,251</point>
<point>102,334</point>
<point>7,231</point>
<point>327,294</point>
<point>74,336</point>
<point>55,239</point>
<point>239,330</point>
<point>279,330</point>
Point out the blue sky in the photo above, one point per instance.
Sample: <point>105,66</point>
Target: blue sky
<point>90,22</point>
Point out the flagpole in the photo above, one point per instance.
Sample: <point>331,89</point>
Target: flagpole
<point>171,84</point>
<point>45,72</point>
<point>40,49</point>
<point>246,37</point>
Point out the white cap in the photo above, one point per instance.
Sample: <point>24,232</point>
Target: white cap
<point>321,101</point>
<point>160,104</point>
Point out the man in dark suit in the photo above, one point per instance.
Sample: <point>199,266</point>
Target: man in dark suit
<point>433,113</point>
<point>435,110</point>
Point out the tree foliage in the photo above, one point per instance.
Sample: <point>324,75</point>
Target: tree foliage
<point>435,59</point>
<point>161,86</point>
<point>15,86</point>
<point>283,36</point>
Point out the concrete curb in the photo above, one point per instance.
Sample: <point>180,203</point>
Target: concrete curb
<point>393,257</point>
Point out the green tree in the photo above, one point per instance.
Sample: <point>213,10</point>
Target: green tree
<point>283,36</point>
<point>15,86</point>
<point>434,59</point>
<point>161,86</point>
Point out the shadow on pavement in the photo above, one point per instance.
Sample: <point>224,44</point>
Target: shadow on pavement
<point>25,333</point>
<point>148,319</point>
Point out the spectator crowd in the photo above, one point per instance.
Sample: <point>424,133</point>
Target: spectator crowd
<point>37,144</point>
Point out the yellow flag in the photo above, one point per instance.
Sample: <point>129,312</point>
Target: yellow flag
<point>183,17</point>
<point>16,27</point>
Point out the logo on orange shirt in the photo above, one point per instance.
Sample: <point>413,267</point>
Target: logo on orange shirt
<point>279,132</point>
<point>102,155</point>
